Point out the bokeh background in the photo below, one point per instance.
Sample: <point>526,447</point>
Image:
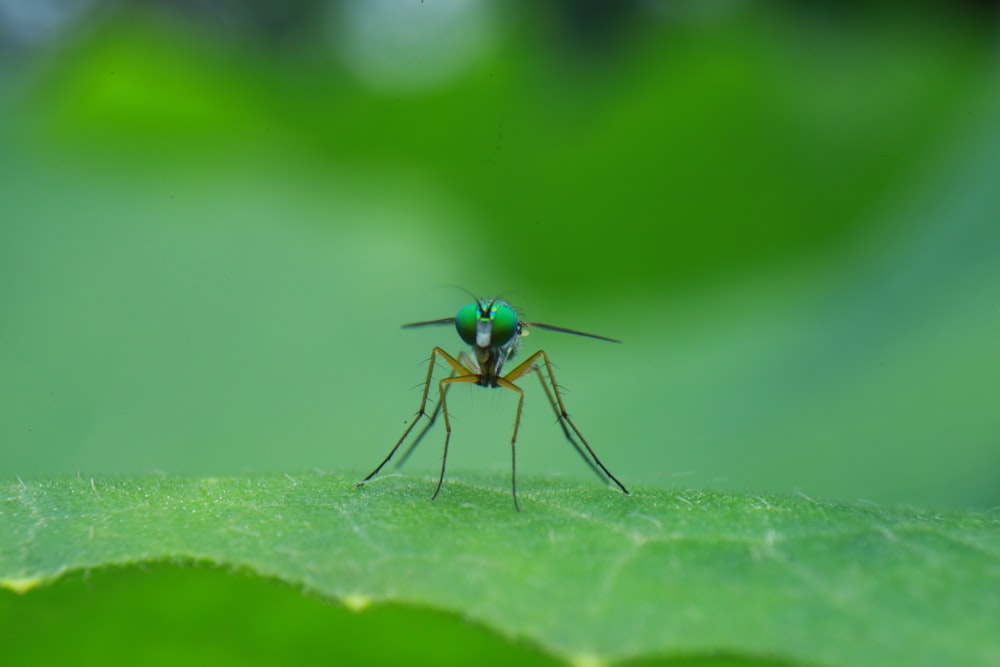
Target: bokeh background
<point>214,216</point>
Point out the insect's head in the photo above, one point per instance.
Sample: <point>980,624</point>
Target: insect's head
<point>487,324</point>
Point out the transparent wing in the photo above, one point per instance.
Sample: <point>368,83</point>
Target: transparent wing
<point>428,323</point>
<point>564,330</point>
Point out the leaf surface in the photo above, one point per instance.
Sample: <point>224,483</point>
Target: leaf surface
<point>584,573</point>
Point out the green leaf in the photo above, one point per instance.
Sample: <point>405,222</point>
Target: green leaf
<point>583,573</point>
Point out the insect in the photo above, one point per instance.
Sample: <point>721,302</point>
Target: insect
<point>494,331</point>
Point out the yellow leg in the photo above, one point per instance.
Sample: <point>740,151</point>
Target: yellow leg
<point>443,388</point>
<point>457,367</point>
<point>470,365</point>
<point>507,384</point>
<point>526,367</point>
<point>565,429</point>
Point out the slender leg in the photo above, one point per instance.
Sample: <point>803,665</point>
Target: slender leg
<point>506,384</point>
<point>420,436</point>
<point>526,367</point>
<point>457,367</point>
<point>565,429</point>
<point>466,360</point>
<point>443,388</point>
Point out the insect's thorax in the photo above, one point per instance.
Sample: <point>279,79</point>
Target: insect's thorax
<point>492,359</point>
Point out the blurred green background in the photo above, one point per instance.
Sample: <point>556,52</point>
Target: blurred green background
<point>214,216</point>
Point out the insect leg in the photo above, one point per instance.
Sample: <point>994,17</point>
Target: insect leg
<point>443,387</point>
<point>507,384</point>
<point>565,429</point>
<point>421,412</point>
<point>527,366</point>
<point>466,360</point>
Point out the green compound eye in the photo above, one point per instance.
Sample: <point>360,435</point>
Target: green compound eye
<point>485,325</point>
<point>465,322</point>
<point>504,324</point>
